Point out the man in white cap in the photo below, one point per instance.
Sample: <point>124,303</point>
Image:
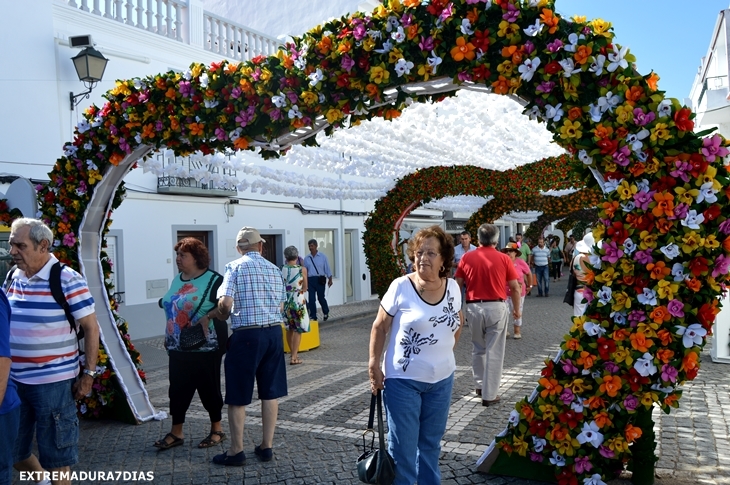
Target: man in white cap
<point>579,267</point>
<point>254,289</point>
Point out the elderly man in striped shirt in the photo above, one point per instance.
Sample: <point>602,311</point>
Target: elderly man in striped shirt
<point>44,350</point>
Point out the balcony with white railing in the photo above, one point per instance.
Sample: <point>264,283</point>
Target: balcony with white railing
<point>184,21</point>
<point>193,175</point>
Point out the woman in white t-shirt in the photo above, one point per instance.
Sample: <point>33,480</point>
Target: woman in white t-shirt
<point>420,320</point>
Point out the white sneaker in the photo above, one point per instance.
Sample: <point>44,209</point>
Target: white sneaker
<point>517,336</point>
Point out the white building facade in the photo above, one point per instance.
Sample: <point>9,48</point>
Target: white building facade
<point>146,37</point>
<point>143,38</point>
<point>710,100</point>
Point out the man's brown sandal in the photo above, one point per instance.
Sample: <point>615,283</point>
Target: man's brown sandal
<point>209,441</point>
<point>163,444</point>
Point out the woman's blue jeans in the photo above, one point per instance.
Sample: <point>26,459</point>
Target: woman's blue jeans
<point>417,414</point>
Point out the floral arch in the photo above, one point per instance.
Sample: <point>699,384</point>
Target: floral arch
<point>579,219</point>
<point>665,252</point>
<point>553,207</point>
<point>383,225</point>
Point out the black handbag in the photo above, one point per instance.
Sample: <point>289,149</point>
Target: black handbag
<point>321,279</point>
<point>375,465</point>
<point>572,285</point>
<point>193,337</point>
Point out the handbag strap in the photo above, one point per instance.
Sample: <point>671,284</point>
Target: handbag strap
<point>381,430</point>
<point>205,294</point>
<point>377,399</point>
<point>315,266</point>
<point>371,419</point>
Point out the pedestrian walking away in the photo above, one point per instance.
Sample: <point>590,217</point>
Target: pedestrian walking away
<point>295,308</point>
<point>487,273</point>
<point>524,279</point>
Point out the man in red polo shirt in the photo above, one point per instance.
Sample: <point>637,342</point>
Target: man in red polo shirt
<point>487,273</point>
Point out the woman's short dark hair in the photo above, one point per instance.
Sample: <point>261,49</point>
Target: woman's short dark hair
<point>196,249</point>
<point>446,242</point>
<point>291,253</point>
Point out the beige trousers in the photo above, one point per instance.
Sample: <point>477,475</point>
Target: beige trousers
<point>488,323</point>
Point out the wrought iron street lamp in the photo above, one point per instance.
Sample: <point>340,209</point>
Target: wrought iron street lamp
<point>90,65</point>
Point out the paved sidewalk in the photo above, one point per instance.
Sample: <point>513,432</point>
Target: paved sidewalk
<point>322,418</point>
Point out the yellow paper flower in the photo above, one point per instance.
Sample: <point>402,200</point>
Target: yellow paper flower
<point>570,129</point>
<point>520,446</point>
<point>549,411</point>
<point>579,386</point>
<point>506,68</point>
<point>648,240</point>
<point>625,114</point>
<point>606,276</point>
<point>660,133</point>
<point>333,115</point>
<point>690,242</point>
<point>507,29</point>
<point>618,444</point>
<point>649,398</point>
<point>623,355</point>
<point>310,98</point>
<point>620,301</point>
<point>667,289</point>
<point>648,328</point>
<point>686,196</point>
<point>425,71</point>
<point>626,191</point>
<point>379,74</point>
<point>600,27</point>
<point>711,242</point>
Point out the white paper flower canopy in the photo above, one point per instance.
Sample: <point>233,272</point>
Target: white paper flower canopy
<point>472,128</point>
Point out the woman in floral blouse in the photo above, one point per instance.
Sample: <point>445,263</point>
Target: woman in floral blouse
<point>420,320</point>
<point>191,301</point>
<point>295,308</point>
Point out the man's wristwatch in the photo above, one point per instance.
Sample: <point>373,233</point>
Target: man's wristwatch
<point>91,373</point>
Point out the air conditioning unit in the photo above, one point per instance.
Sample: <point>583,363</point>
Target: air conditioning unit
<point>81,41</point>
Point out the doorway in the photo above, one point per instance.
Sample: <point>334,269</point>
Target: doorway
<point>202,236</point>
<point>272,251</point>
<point>352,267</point>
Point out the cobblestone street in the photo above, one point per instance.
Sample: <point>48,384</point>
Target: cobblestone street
<point>322,418</point>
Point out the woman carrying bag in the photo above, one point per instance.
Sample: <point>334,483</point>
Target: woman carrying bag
<point>418,325</point>
<point>195,340</point>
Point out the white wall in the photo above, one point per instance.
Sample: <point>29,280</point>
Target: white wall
<point>35,83</point>
<point>145,222</point>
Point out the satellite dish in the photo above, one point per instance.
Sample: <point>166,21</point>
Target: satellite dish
<point>21,195</point>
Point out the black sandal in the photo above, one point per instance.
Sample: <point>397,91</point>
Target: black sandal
<point>209,441</point>
<point>165,445</point>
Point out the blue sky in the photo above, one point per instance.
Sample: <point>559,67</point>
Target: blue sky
<point>669,37</point>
